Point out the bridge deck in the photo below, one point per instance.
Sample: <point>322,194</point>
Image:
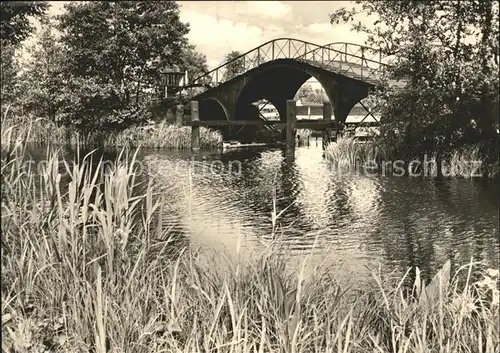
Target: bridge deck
<point>301,124</point>
<point>352,70</point>
<point>349,59</point>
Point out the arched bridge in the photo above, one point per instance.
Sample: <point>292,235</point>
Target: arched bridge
<point>275,70</point>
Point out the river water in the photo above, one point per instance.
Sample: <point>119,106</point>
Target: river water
<point>243,200</point>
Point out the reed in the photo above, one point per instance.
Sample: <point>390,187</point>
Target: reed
<point>164,135</point>
<point>86,268</point>
<point>464,162</point>
<point>347,153</point>
<point>40,131</point>
<point>159,135</point>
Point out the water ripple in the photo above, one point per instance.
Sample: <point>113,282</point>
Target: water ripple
<point>355,219</point>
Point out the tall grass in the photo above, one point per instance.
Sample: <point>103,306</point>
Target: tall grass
<point>464,162</point>
<point>42,131</point>
<point>163,135</point>
<point>347,153</point>
<point>89,270</point>
<point>160,135</point>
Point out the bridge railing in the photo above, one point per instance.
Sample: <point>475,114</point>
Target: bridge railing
<point>353,60</point>
<point>349,59</point>
<point>359,50</point>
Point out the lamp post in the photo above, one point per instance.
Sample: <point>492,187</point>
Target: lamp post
<point>171,80</point>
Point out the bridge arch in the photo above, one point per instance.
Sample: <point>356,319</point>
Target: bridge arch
<point>213,109</point>
<point>276,70</point>
<point>279,81</point>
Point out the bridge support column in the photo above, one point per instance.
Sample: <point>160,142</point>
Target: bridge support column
<point>291,128</point>
<point>179,115</point>
<point>195,130</point>
<point>342,107</point>
<point>327,115</point>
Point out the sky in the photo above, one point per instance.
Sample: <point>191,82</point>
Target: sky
<point>219,27</point>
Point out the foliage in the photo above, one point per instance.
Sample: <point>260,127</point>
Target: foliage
<point>111,77</point>
<point>138,38</point>
<point>447,51</point>
<point>92,83</point>
<point>465,162</point>
<point>306,94</point>
<point>195,63</point>
<point>15,28</point>
<point>40,131</point>
<point>15,24</point>
<point>462,162</point>
<point>235,66</point>
<point>41,78</point>
<point>9,81</point>
<point>89,105</point>
<point>87,265</point>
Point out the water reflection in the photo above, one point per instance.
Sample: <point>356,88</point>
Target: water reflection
<point>356,221</point>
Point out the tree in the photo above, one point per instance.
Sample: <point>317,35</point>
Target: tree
<point>15,24</point>
<point>487,21</point>
<point>14,28</point>
<point>9,81</point>
<point>41,79</point>
<point>115,52</point>
<point>234,65</point>
<point>194,62</point>
<point>196,65</point>
<point>448,52</point>
<point>306,94</point>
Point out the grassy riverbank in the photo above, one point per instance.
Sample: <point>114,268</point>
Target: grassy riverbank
<point>346,154</point>
<point>92,270</point>
<point>158,135</point>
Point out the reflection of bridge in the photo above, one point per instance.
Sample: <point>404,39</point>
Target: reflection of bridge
<point>275,71</point>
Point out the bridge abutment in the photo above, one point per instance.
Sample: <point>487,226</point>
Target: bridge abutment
<point>343,103</point>
<point>343,93</point>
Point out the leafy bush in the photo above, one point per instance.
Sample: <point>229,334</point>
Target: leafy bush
<point>88,106</point>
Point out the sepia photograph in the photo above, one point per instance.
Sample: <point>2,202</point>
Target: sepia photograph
<point>250,176</point>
